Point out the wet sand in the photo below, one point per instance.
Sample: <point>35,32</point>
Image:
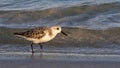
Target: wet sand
<point>32,61</point>
<point>56,64</point>
<point>57,60</point>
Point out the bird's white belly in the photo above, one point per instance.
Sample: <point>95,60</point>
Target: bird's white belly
<point>46,38</point>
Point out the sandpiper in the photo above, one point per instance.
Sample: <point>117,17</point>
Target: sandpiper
<point>40,35</point>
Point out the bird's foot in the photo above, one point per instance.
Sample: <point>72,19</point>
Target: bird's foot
<point>32,51</point>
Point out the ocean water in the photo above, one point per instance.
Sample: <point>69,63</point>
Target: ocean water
<point>46,4</point>
<point>91,14</point>
<point>94,20</point>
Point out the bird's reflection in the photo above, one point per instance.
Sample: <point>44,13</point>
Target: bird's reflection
<point>37,55</point>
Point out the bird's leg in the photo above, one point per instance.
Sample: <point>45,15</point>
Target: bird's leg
<point>41,47</point>
<point>32,48</point>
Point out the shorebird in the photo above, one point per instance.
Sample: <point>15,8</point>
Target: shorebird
<point>40,35</point>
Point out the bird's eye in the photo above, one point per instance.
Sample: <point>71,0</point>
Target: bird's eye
<point>57,28</point>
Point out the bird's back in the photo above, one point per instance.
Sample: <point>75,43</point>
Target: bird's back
<point>33,33</point>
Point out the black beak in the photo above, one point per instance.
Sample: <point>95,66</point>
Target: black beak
<point>64,33</point>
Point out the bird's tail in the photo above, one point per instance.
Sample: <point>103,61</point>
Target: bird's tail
<point>19,34</point>
<point>16,33</point>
